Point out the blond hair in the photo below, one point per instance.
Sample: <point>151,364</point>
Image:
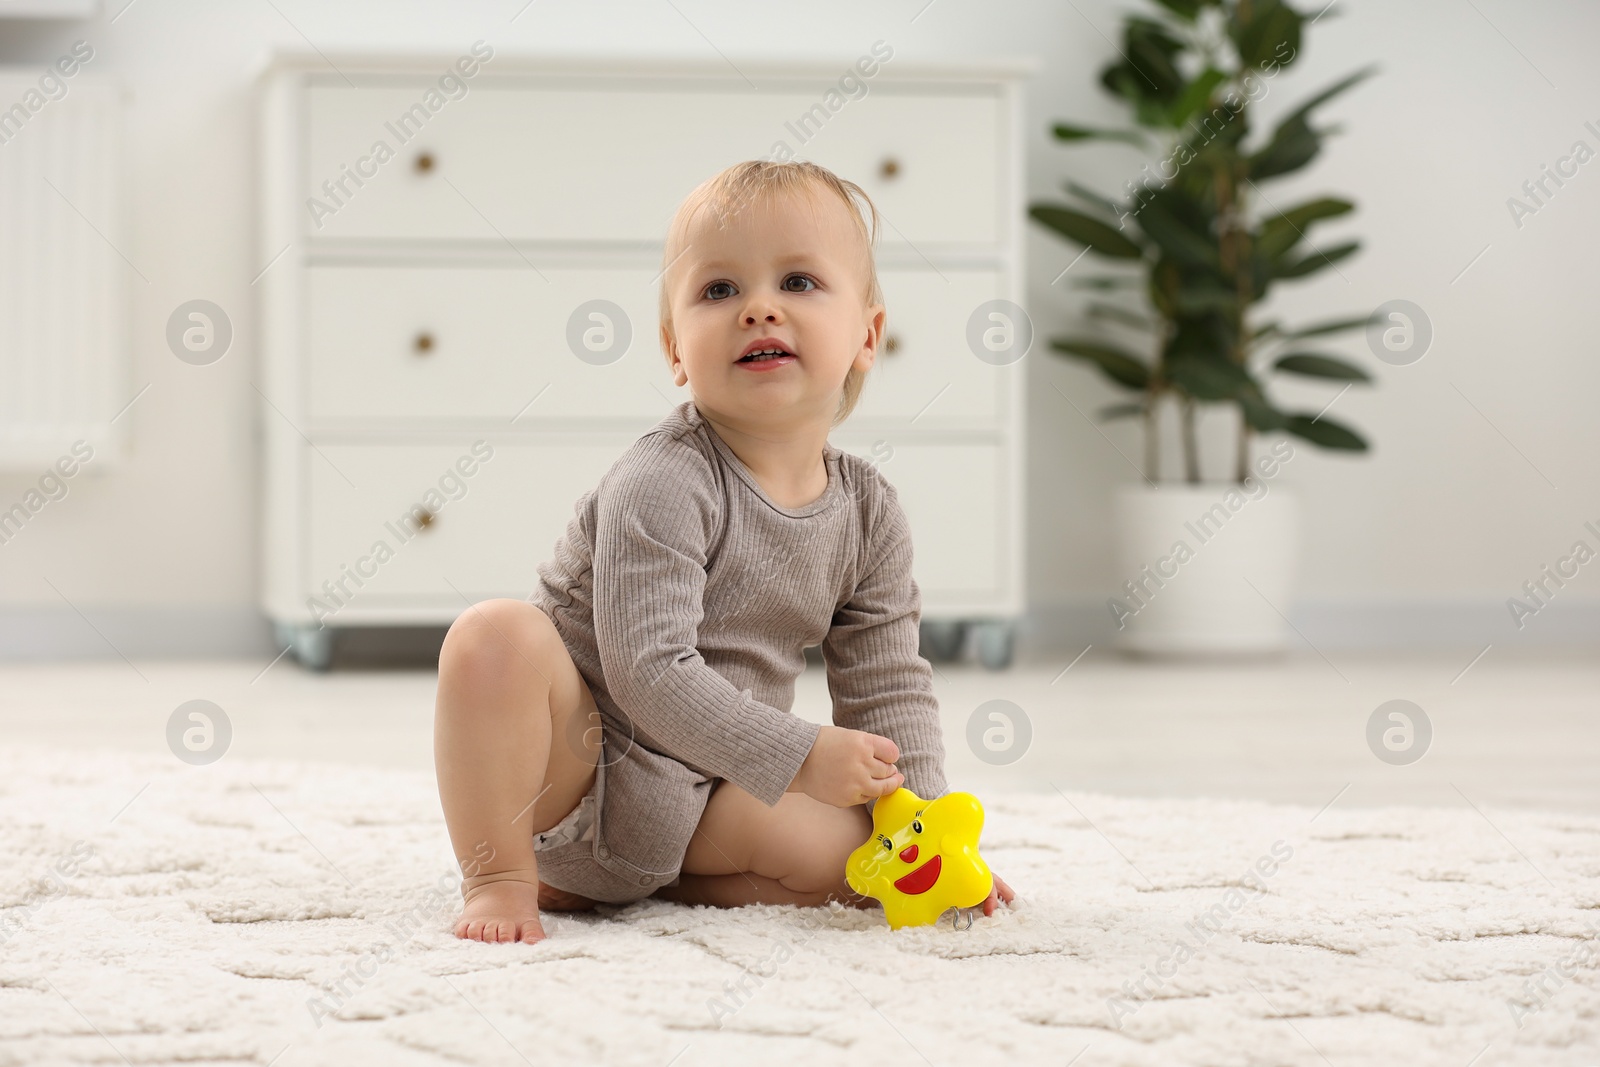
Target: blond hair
<point>729,192</point>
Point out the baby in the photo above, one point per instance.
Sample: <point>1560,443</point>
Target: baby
<point>625,732</point>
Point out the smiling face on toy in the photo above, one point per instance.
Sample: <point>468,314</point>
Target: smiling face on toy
<point>922,857</point>
<point>921,878</point>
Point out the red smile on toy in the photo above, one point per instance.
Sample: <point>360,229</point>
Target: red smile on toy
<point>920,880</point>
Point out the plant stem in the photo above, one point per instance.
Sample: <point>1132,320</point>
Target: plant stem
<point>1241,469</point>
<point>1191,449</point>
<point>1152,454</point>
<point>1234,253</point>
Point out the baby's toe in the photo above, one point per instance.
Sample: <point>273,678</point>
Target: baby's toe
<point>532,932</point>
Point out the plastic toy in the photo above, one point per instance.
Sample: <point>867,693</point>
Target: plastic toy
<point>922,858</point>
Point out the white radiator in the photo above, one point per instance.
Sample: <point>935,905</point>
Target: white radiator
<point>63,275</point>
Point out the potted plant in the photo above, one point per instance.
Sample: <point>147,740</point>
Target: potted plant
<point>1207,565</point>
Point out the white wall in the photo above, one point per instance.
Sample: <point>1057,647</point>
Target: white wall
<point>1420,541</point>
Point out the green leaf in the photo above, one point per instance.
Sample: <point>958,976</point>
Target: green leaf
<point>1324,207</point>
<point>1196,96</point>
<point>1067,132</point>
<point>1106,282</point>
<point>1292,145</point>
<point>1207,379</point>
<point>1185,9</point>
<point>1259,414</point>
<point>1331,326</point>
<point>1273,28</point>
<point>1316,365</point>
<point>1084,193</point>
<point>1119,314</point>
<point>1330,92</point>
<point>1316,261</point>
<point>1162,218</point>
<point>1325,432</point>
<point>1282,231</point>
<point>1119,365</point>
<point>1196,297</point>
<point>1120,411</point>
<point>1146,75</point>
<point>1092,233</point>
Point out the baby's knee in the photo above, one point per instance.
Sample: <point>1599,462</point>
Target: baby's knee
<point>495,632</point>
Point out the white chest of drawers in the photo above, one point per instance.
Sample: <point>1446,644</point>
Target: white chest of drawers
<point>430,407</point>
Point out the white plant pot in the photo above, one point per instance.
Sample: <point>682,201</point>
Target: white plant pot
<point>1210,566</point>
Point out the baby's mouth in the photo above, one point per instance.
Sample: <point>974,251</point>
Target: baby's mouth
<point>770,352</point>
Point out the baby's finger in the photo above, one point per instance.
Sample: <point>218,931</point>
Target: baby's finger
<point>884,748</point>
<point>888,785</point>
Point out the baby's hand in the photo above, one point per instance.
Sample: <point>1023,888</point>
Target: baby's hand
<point>999,891</point>
<point>848,767</point>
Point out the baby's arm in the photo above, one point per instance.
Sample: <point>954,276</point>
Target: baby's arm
<point>878,681</point>
<point>655,518</point>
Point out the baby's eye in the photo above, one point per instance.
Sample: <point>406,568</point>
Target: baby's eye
<point>916,826</point>
<point>811,282</point>
<point>714,286</point>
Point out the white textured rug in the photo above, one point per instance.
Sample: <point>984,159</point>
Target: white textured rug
<point>152,912</point>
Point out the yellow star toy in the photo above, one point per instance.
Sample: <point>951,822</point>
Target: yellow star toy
<point>922,858</point>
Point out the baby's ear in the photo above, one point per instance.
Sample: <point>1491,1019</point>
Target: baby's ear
<point>669,346</point>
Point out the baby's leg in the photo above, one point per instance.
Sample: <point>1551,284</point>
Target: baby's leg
<point>512,755</point>
<point>794,852</point>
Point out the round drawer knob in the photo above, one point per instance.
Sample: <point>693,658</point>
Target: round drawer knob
<point>891,344</point>
<point>424,162</point>
<point>423,343</point>
<point>889,169</point>
<point>424,517</point>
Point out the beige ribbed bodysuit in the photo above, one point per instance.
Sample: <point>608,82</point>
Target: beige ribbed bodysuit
<point>686,597</point>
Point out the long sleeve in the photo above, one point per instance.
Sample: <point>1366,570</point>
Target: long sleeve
<point>656,517</point>
<point>876,678</point>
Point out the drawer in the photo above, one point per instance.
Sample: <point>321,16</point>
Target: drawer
<point>957,498</point>
<point>494,338</point>
<point>490,529</point>
<point>931,373</point>
<point>521,161</point>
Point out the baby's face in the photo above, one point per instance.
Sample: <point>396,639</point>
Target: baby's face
<point>791,273</point>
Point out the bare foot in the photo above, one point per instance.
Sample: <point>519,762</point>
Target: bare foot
<point>507,910</point>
